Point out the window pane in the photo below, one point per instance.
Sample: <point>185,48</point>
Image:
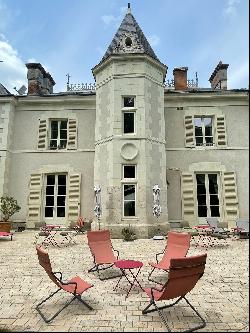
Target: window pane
<point>63,143</point>
<point>53,144</point>
<point>215,211</point>
<point>201,189</point>
<point>50,179</point>
<point>207,121</point>
<point>48,211</point>
<point>129,171</point>
<point>60,211</point>
<point>129,122</point>
<point>209,140</point>
<point>61,200</point>
<point>129,192</point>
<point>129,208</point>
<point>63,134</point>
<point>201,200</point>
<point>198,131</point>
<point>199,140</point>
<point>214,200</point>
<point>50,190</point>
<point>54,134</point>
<point>208,131</point>
<point>62,190</point>
<point>63,124</point>
<point>128,102</point>
<point>197,121</point>
<point>202,211</point>
<point>200,178</point>
<point>61,179</point>
<point>213,186</point>
<point>50,200</point>
<point>54,125</point>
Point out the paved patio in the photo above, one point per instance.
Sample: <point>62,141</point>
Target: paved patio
<point>221,296</point>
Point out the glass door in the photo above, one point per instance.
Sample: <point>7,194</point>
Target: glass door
<point>207,195</point>
<point>55,198</point>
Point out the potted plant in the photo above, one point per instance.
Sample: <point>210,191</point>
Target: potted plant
<point>128,234</point>
<point>8,207</point>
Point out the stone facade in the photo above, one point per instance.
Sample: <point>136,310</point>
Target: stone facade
<point>93,148</point>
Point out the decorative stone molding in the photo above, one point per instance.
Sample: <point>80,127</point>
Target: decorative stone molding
<point>129,151</point>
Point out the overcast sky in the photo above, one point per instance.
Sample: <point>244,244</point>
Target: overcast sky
<point>72,36</point>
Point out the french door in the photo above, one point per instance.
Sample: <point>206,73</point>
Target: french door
<point>55,198</point>
<point>207,196</point>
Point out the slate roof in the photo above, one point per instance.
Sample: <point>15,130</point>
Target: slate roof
<point>4,91</point>
<point>129,27</point>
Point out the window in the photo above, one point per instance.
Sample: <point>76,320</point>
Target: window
<point>203,131</point>
<point>58,134</point>
<point>207,195</point>
<point>129,190</point>
<point>128,102</point>
<point>55,196</point>
<point>128,122</point>
<point>129,200</point>
<point>129,171</point>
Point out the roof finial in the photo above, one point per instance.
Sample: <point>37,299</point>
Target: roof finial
<point>129,9</point>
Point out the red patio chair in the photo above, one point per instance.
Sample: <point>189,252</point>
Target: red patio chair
<point>75,286</point>
<point>178,244</point>
<point>102,251</point>
<point>79,228</point>
<point>183,275</point>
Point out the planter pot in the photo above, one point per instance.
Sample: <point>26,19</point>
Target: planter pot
<point>5,226</point>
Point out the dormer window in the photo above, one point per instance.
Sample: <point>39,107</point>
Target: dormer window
<point>128,41</point>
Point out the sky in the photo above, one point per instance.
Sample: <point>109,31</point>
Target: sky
<point>72,36</point>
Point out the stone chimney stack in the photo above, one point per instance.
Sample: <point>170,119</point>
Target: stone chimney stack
<point>40,82</point>
<point>180,78</point>
<point>218,79</point>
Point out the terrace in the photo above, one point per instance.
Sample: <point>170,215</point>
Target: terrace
<point>221,295</point>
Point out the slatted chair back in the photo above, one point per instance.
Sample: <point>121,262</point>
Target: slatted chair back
<point>243,224</point>
<point>178,244</point>
<point>44,261</point>
<point>183,275</point>
<point>100,245</point>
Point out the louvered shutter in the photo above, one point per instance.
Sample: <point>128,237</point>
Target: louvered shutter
<point>189,131</point>
<point>188,196</point>
<point>221,135</point>
<point>74,196</point>
<point>72,134</point>
<point>34,199</point>
<point>231,205</point>
<point>42,134</point>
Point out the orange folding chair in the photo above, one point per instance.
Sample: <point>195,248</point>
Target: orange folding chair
<point>102,251</point>
<point>183,275</point>
<point>178,244</point>
<point>75,286</point>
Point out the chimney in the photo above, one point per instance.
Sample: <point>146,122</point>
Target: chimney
<point>180,78</point>
<point>40,82</point>
<point>218,79</point>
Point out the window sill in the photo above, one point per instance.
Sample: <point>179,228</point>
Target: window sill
<point>129,181</point>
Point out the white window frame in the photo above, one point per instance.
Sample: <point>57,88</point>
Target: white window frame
<point>54,217</point>
<point>130,165</point>
<point>128,109</point>
<point>201,117</point>
<point>123,122</point>
<point>123,200</point>
<point>58,131</point>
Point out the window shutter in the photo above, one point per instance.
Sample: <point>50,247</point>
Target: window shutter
<point>231,205</point>
<point>42,134</point>
<point>74,196</point>
<point>189,131</point>
<point>221,136</point>
<point>72,134</point>
<point>188,196</point>
<point>34,199</point>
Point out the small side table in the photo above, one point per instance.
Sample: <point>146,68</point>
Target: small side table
<point>129,265</point>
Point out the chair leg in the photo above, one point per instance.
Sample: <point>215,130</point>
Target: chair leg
<point>47,320</point>
<point>158,309</point>
<point>151,280</point>
<point>97,269</point>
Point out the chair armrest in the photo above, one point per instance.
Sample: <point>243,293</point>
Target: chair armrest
<point>158,254</point>
<point>60,275</point>
<point>118,253</point>
<point>68,283</point>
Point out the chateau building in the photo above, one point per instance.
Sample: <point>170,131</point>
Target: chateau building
<point>132,130</point>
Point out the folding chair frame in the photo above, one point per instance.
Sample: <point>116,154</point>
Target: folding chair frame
<point>96,268</point>
<point>158,309</point>
<point>76,296</point>
<point>157,260</point>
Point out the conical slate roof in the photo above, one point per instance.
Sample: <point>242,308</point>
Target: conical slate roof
<point>129,38</point>
<point>4,91</point>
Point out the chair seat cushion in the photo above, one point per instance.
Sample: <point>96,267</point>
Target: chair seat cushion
<point>161,265</point>
<point>5,233</point>
<point>81,285</point>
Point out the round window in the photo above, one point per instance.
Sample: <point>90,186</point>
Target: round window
<point>128,41</point>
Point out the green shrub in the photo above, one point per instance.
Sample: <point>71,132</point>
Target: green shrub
<point>128,234</point>
<point>8,207</point>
